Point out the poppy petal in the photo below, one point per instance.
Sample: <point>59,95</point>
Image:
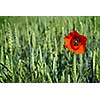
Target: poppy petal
<point>81,50</point>
<point>66,39</point>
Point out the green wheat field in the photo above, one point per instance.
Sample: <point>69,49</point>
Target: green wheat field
<point>32,51</point>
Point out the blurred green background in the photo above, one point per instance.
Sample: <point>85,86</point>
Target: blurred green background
<point>31,50</point>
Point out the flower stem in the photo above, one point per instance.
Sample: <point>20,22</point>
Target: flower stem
<point>74,69</point>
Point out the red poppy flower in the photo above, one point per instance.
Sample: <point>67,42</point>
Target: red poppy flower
<point>75,42</point>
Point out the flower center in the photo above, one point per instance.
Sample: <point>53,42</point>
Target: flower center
<point>76,41</point>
